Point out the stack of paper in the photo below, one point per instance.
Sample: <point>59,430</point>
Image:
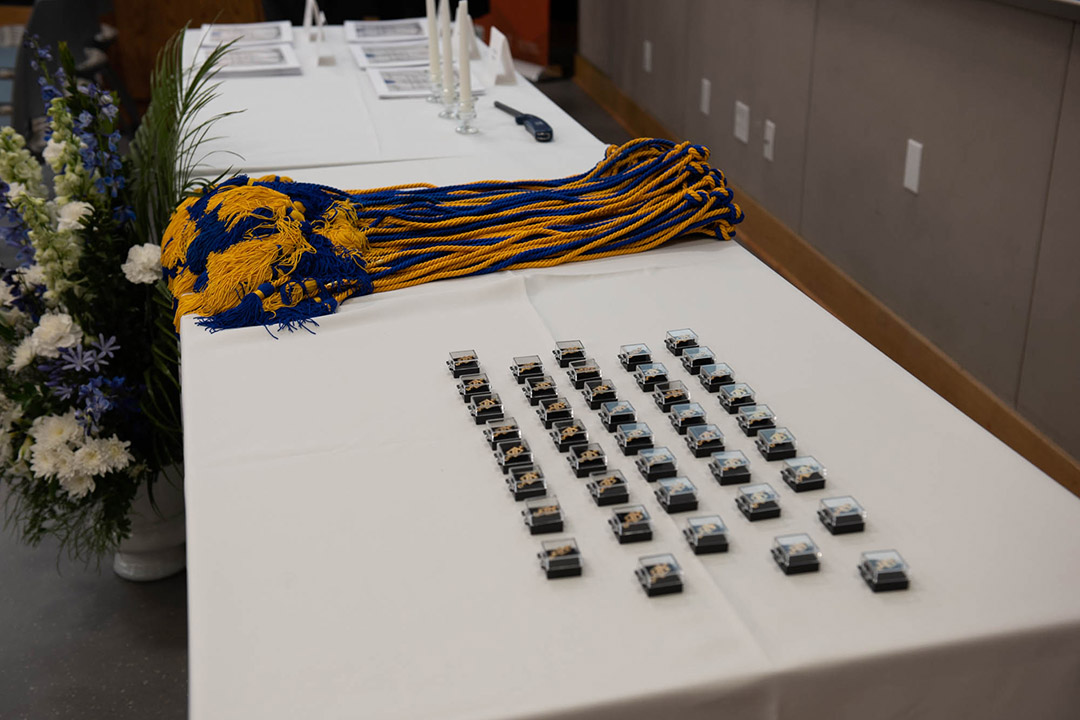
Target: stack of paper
<point>258,48</point>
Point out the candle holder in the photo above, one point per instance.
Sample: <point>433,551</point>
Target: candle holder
<point>449,102</point>
<point>466,116</point>
<point>436,87</point>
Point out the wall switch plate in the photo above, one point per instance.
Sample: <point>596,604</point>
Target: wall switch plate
<point>770,140</point>
<point>646,56</point>
<point>706,95</point>
<point>913,165</point>
<point>742,121</point>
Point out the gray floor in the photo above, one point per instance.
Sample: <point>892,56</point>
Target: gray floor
<point>78,643</point>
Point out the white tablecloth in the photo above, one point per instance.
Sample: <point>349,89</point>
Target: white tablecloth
<point>353,551</point>
<point>330,115</point>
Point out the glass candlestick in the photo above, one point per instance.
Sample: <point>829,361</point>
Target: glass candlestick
<point>466,115</point>
<point>436,88</point>
<point>449,102</point>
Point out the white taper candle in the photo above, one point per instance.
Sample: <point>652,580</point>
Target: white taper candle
<point>464,26</point>
<point>432,41</point>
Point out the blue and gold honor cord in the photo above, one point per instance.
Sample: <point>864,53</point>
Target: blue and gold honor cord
<point>270,251</point>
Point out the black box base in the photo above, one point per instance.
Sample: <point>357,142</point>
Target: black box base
<point>761,514</point>
<point>800,569</point>
<point>563,573</point>
<point>639,537</point>
<point>666,590</point>
<point>808,485</point>
<point>779,455</point>
<point>545,529</point>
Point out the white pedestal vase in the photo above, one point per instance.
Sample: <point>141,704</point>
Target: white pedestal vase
<point>157,546</point>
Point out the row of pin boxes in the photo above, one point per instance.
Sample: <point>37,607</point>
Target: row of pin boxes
<point>882,570</point>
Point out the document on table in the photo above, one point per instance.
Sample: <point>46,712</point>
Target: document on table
<point>407,82</point>
<point>389,54</point>
<point>247,33</point>
<point>256,60</point>
<point>385,31</point>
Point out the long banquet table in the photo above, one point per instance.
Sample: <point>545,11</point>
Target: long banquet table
<point>353,551</point>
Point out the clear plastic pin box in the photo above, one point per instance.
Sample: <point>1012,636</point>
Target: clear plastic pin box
<point>758,502</point>
<point>560,558</point>
<point>567,433</point>
<point>677,341</point>
<point>676,494</point>
<point>538,387</point>
<point>615,413</point>
<point>585,459</point>
<point>485,408</point>
<point>632,438</point>
<point>704,440</point>
<point>666,395</point>
<point>714,376</point>
<point>693,359</point>
<point>730,468</point>
<point>842,515</point>
<point>501,430</point>
<point>649,375</point>
<point>796,554</point>
<point>526,481</point>
<point>735,396</point>
<point>543,515</point>
<point>526,366</point>
<point>803,473</point>
<point>706,534</point>
<point>630,356</point>
<point>470,385</point>
<point>608,488</point>
<point>686,415</point>
<point>463,362</point>
<point>631,524</point>
<point>512,452</point>
<point>754,418</point>
<point>776,444</point>
<point>598,392</point>
<point>659,575</point>
<point>884,570</point>
<point>583,370</point>
<point>568,351</point>
<point>553,410</point>
<point>656,464</point>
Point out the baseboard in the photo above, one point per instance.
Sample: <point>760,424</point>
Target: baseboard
<point>807,269</point>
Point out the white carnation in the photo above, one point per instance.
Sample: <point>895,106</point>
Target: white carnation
<point>143,263</point>
<point>55,430</point>
<point>53,151</point>
<point>78,486</point>
<point>55,331</point>
<point>23,355</point>
<point>72,214</point>
<point>115,452</point>
<point>90,458</point>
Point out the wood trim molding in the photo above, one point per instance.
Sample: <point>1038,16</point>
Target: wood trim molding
<point>811,272</point>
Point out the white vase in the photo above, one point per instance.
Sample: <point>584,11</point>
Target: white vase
<point>157,546</point>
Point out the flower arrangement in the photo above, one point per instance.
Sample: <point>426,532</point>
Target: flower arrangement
<point>89,393</point>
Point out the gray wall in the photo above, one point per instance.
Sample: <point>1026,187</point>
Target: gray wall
<point>984,259</point>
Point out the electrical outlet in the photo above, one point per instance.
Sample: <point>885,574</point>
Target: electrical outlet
<point>646,56</point>
<point>770,140</point>
<point>706,95</point>
<point>913,165</point>
<point>742,122</point>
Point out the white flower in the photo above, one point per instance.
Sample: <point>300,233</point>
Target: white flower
<point>55,331</point>
<point>16,190</point>
<point>23,355</point>
<point>7,298</point>
<point>72,214</point>
<point>54,430</point>
<point>90,458</point>
<point>115,452</point>
<point>48,461</point>
<point>53,151</point>
<point>33,275</point>
<point>143,263</point>
<point>78,486</point>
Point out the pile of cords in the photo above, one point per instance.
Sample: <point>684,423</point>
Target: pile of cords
<point>269,251</point>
